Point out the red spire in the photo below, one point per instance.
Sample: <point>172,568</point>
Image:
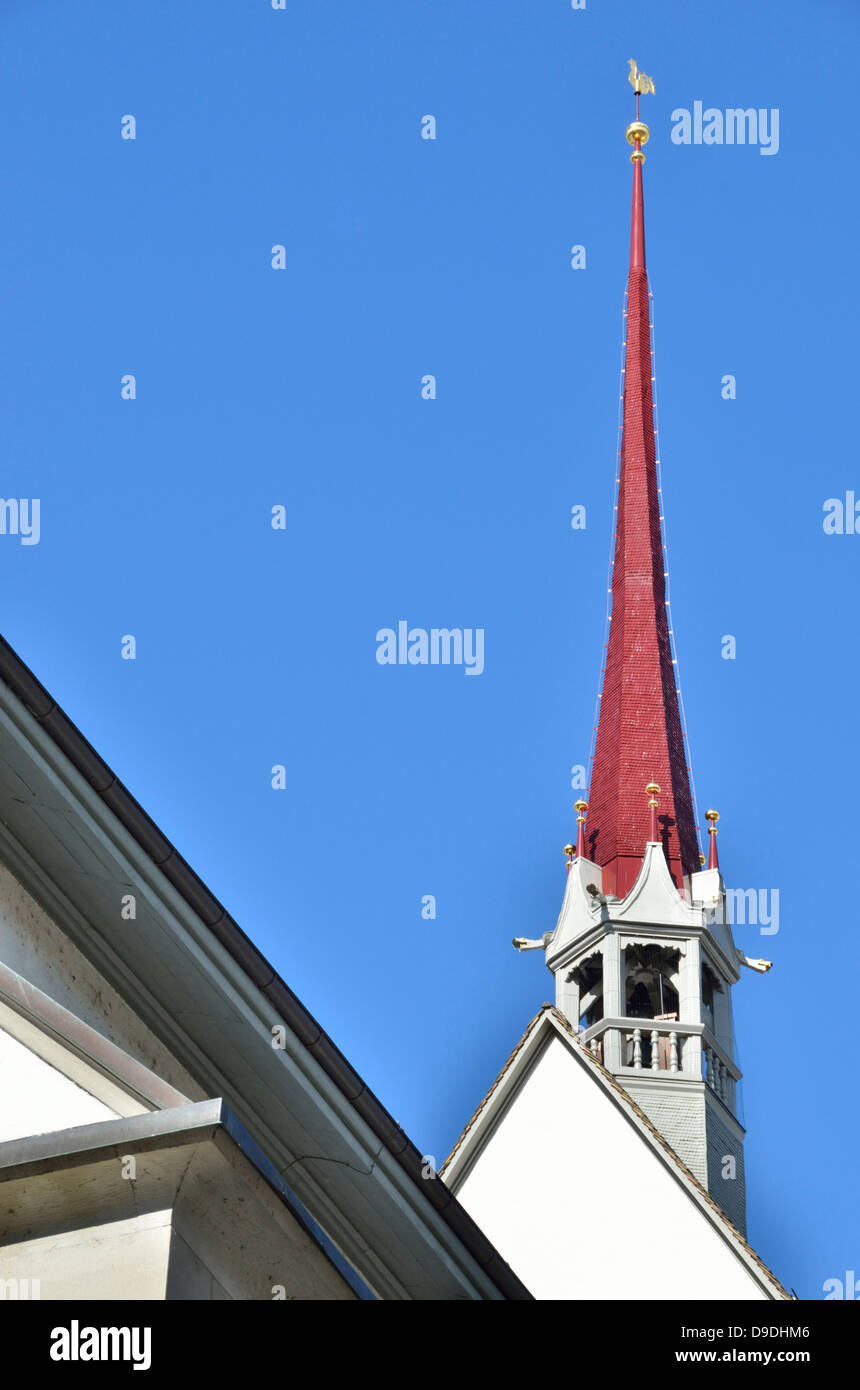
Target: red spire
<point>639,735</point>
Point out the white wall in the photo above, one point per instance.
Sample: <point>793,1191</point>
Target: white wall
<point>35,1098</point>
<point>580,1206</point>
<point>108,1260</point>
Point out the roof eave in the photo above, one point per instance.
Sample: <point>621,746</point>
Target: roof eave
<point>204,941</point>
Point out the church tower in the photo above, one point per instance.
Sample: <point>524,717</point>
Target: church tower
<point>619,1104</point>
<point>642,954</point>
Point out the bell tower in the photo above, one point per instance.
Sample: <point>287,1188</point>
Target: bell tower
<point>642,954</point>
<point>645,978</point>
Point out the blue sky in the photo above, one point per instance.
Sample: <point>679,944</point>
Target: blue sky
<point>301,387</point>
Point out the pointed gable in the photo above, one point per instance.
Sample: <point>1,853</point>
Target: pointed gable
<point>582,1195</point>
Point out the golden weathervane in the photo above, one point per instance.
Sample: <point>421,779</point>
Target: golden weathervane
<point>638,80</point>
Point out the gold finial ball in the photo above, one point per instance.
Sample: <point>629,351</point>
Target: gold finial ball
<point>580,806</point>
<point>701,859</point>
<point>569,851</point>
<point>652,788</point>
<point>712,816</point>
<point>638,130</point>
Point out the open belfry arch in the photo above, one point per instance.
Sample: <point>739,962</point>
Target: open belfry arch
<point>643,960</point>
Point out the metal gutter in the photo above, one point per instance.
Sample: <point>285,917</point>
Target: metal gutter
<point>116,797</point>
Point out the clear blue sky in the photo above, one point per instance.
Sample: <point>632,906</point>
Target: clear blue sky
<point>301,387</point>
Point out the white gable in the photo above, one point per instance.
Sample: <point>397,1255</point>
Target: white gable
<point>576,1197</point>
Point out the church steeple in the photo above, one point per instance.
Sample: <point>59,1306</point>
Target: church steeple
<point>639,733</point>
<point>642,953</point>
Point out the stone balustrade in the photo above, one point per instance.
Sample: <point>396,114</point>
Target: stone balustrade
<point>638,1046</point>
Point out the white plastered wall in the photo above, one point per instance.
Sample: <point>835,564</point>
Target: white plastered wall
<point>35,1098</point>
<point>578,1203</point>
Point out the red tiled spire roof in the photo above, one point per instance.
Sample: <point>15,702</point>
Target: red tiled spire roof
<point>639,732</point>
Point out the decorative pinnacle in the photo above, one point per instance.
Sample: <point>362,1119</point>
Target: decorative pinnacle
<point>569,851</point>
<point>713,858</point>
<point>581,808</point>
<point>653,791</point>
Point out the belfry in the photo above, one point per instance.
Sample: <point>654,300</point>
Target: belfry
<point>642,952</point>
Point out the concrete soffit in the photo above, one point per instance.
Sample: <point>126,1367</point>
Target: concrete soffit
<point>46,1156</point>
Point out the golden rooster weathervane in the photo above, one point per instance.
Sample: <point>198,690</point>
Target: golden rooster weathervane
<point>639,81</point>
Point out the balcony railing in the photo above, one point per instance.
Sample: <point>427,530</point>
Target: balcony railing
<point>666,1047</point>
<point>720,1072</point>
